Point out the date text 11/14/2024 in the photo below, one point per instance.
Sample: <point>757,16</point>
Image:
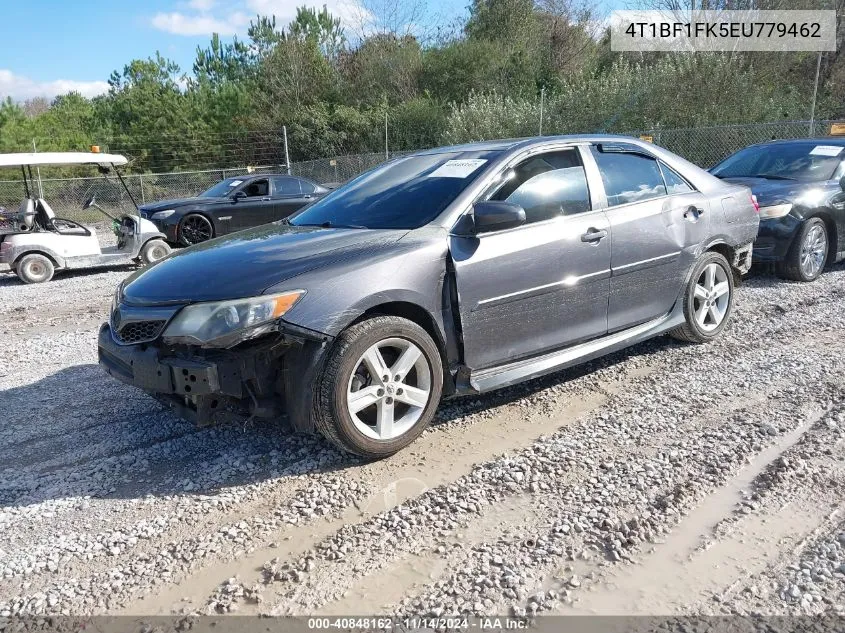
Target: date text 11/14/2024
<point>411,623</point>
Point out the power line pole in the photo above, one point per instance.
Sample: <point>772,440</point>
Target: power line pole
<point>38,171</point>
<point>815,91</point>
<point>542,100</point>
<point>287,156</point>
<point>386,153</point>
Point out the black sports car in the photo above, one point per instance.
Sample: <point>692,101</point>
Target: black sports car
<point>231,205</point>
<point>799,187</point>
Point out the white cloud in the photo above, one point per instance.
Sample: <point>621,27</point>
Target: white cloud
<point>350,12</point>
<point>208,17</point>
<point>192,25</point>
<point>21,88</point>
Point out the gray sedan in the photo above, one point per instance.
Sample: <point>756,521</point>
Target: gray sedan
<point>456,270</point>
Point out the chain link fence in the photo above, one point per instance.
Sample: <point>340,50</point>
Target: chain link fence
<point>704,146</point>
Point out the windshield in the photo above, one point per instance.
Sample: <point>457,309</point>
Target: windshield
<point>403,194</point>
<point>805,162</point>
<point>222,188</point>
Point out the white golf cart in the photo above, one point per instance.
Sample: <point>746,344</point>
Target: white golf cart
<point>35,243</point>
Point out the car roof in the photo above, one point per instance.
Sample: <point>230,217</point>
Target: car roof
<point>513,143</point>
<point>250,176</point>
<point>818,140</point>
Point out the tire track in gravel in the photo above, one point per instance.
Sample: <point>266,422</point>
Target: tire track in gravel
<point>797,498</point>
<point>504,413</point>
<point>765,359</point>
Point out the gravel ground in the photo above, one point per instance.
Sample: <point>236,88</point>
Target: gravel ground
<point>667,479</point>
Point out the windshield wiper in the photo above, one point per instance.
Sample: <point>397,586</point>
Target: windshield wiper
<point>772,177</point>
<point>328,224</point>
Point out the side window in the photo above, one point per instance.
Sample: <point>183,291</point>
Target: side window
<point>285,186</point>
<point>257,188</point>
<point>547,185</point>
<point>629,177</point>
<point>674,181</point>
<point>306,187</point>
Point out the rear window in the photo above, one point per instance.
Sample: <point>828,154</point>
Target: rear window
<point>403,194</point>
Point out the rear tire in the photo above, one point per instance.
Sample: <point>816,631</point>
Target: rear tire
<point>379,387</point>
<point>708,300</point>
<point>807,256</point>
<point>154,250</point>
<point>34,269</point>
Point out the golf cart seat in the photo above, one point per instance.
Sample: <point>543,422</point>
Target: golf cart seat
<point>26,214</point>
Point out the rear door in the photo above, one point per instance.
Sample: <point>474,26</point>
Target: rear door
<point>288,196</point>
<point>655,229</point>
<point>543,285</point>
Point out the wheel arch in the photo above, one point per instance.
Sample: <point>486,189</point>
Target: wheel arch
<point>422,317</point>
<point>832,233</point>
<point>58,262</point>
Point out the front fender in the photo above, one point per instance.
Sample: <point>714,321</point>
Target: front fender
<point>411,271</point>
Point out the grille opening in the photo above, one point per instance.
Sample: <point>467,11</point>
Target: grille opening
<point>139,331</point>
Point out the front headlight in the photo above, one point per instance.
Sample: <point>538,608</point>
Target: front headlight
<point>775,211</point>
<point>160,215</point>
<point>115,300</point>
<point>225,323</point>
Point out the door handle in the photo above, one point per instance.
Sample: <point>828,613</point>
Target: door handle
<point>594,235</point>
<point>307,196</point>
<point>266,199</point>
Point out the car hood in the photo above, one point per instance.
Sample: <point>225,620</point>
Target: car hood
<point>771,192</point>
<point>247,263</point>
<point>173,203</point>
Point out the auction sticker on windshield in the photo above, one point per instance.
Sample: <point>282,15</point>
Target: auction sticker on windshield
<point>826,150</point>
<point>235,183</point>
<point>457,168</point>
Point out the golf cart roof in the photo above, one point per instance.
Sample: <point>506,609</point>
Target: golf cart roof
<point>61,158</point>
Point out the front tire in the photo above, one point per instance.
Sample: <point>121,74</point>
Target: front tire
<point>708,300</point>
<point>153,251</point>
<point>379,387</point>
<point>34,269</point>
<point>195,229</point>
<point>807,256</point>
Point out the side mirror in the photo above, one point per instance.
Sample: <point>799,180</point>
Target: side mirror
<point>494,215</point>
<point>238,195</point>
<point>842,183</point>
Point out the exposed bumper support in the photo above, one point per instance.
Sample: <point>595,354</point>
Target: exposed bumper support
<point>263,380</point>
<point>742,258</point>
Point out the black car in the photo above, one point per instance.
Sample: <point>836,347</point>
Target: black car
<point>799,187</point>
<point>231,205</point>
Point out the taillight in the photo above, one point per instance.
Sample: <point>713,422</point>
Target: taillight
<point>755,203</point>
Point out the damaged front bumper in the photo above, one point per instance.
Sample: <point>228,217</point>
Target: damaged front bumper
<point>261,378</point>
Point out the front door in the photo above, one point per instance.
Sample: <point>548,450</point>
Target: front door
<point>540,286</point>
<point>254,209</point>
<point>657,221</point>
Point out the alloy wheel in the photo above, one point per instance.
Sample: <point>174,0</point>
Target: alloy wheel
<point>389,389</point>
<point>813,251</point>
<point>195,229</point>
<point>711,297</point>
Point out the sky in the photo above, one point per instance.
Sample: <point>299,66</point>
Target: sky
<point>49,47</point>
